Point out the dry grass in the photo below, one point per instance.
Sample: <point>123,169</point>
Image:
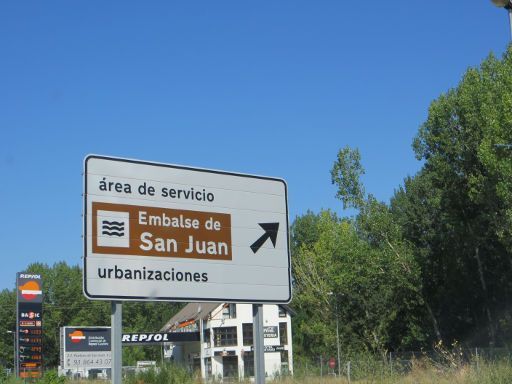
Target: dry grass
<point>422,372</point>
<point>425,373</point>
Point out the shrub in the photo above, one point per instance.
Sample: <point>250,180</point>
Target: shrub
<point>52,377</point>
<point>166,374</point>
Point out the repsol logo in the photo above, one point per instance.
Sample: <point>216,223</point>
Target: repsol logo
<point>144,337</point>
<point>27,276</point>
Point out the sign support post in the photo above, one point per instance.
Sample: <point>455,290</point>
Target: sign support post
<point>201,346</point>
<point>116,320</point>
<point>15,342</point>
<point>259,353</point>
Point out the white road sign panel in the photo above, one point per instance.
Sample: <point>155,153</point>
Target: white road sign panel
<point>165,232</point>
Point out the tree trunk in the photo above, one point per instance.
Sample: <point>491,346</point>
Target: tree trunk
<point>434,322</point>
<point>492,335</point>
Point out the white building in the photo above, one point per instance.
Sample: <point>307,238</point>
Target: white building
<point>226,346</point>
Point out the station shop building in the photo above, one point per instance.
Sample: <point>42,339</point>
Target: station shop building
<point>226,346</point>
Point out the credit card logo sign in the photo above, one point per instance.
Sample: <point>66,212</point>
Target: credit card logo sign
<point>113,229</point>
<point>30,290</point>
<point>27,323</point>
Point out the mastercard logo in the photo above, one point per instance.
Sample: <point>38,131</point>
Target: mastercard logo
<point>30,290</point>
<point>76,336</point>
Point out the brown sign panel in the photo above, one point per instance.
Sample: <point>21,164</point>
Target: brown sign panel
<point>123,229</point>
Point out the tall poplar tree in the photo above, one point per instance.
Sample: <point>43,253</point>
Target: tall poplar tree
<point>458,209</point>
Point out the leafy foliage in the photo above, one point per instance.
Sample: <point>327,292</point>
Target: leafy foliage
<point>166,374</point>
<point>345,174</point>
<point>361,272</point>
<point>7,325</point>
<point>465,238</point>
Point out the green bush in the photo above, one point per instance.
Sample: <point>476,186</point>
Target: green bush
<point>166,374</point>
<point>3,375</point>
<point>4,379</point>
<point>52,377</point>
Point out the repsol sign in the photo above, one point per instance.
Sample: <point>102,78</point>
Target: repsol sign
<point>156,338</point>
<point>28,276</point>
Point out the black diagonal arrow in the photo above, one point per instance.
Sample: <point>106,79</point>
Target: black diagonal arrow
<point>270,232</point>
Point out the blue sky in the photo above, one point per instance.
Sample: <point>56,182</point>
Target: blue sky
<point>269,87</point>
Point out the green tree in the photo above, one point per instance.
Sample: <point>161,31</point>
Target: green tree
<point>391,302</point>
<point>145,317</point>
<point>457,211</point>
<point>415,207</point>
<point>7,325</point>
<point>361,271</point>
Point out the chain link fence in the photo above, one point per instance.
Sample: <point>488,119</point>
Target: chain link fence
<point>360,367</point>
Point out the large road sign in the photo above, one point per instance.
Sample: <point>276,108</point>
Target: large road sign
<point>165,232</point>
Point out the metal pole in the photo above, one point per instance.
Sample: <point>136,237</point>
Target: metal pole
<point>15,366</point>
<point>17,345</point>
<point>116,321</point>
<point>338,340</point>
<point>201,348</point>
<point>15,342</point>
<point>14,362</point>
<point>259,352</point>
